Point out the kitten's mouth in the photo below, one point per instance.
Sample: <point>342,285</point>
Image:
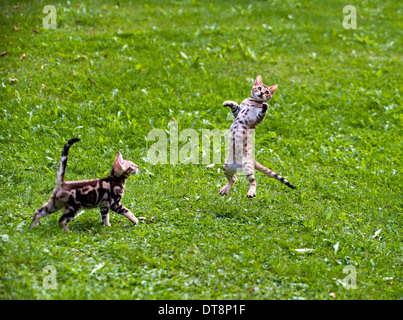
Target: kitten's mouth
<point>132,170</point>
<point>259,97</point>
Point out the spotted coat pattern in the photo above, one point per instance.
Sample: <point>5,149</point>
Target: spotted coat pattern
<point>247,115</point>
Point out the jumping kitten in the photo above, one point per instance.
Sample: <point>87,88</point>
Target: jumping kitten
<point>104,193</point>
<point>247,115</point>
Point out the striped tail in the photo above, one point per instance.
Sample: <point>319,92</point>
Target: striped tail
<point>63,162</point>
<point>272,174</point>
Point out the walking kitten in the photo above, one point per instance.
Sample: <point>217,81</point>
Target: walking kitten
<point>247,116</point>
<point>104,193</point>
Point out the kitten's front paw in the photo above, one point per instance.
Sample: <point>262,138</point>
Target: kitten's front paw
<point>264,106</point>
<point>134,220</point>
<point>230,104</point>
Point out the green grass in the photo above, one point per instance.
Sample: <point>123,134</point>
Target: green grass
<point>334,129</point>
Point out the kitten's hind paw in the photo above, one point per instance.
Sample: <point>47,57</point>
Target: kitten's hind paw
<point>33,224</point>
<point>223,192</point>
<point>34,221</point>
<point>251,194</point>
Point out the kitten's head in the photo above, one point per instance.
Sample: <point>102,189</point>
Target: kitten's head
<point>262,93</point>
<point>123,167</point>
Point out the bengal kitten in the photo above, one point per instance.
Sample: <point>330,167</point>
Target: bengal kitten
<point>104,193</point>
<point>247,116</point>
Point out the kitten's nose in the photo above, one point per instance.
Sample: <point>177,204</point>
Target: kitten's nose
<point>136,170</point>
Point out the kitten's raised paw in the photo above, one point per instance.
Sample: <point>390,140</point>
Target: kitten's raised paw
<point>229,104</point>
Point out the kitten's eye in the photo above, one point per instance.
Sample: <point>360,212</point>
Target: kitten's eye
<point>267,92</point>
<point>259,88</point>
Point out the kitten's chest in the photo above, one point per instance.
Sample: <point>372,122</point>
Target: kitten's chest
<point>117,191</point>
<point>248,115</point>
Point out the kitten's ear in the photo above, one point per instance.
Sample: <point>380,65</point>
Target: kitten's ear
<point>258,80</point>
<point>273,88</point>
<point>118,160</point>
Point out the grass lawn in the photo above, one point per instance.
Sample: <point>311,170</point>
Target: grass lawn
<point>110,73</point>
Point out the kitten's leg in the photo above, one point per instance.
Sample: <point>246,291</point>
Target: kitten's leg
<point>118,208</point>
<point>230,174</point>
<point>233,106</point>
<point>50,207</point>
<point>249,170</point>
<point>262,113</point>
<point>252,185</point>
<point>105,216</point>
<point>68,214</point>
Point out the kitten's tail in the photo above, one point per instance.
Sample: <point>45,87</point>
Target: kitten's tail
<point>63,162</point>
<point>272,174</point>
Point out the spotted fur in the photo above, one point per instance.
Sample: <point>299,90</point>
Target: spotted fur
<point>105,193</point>
<point>247,116</point>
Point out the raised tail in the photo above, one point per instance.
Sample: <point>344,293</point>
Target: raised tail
<point>63,162</point>
<point>272,174</point>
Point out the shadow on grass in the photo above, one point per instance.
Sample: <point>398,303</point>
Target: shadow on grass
<point>229,212</point>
